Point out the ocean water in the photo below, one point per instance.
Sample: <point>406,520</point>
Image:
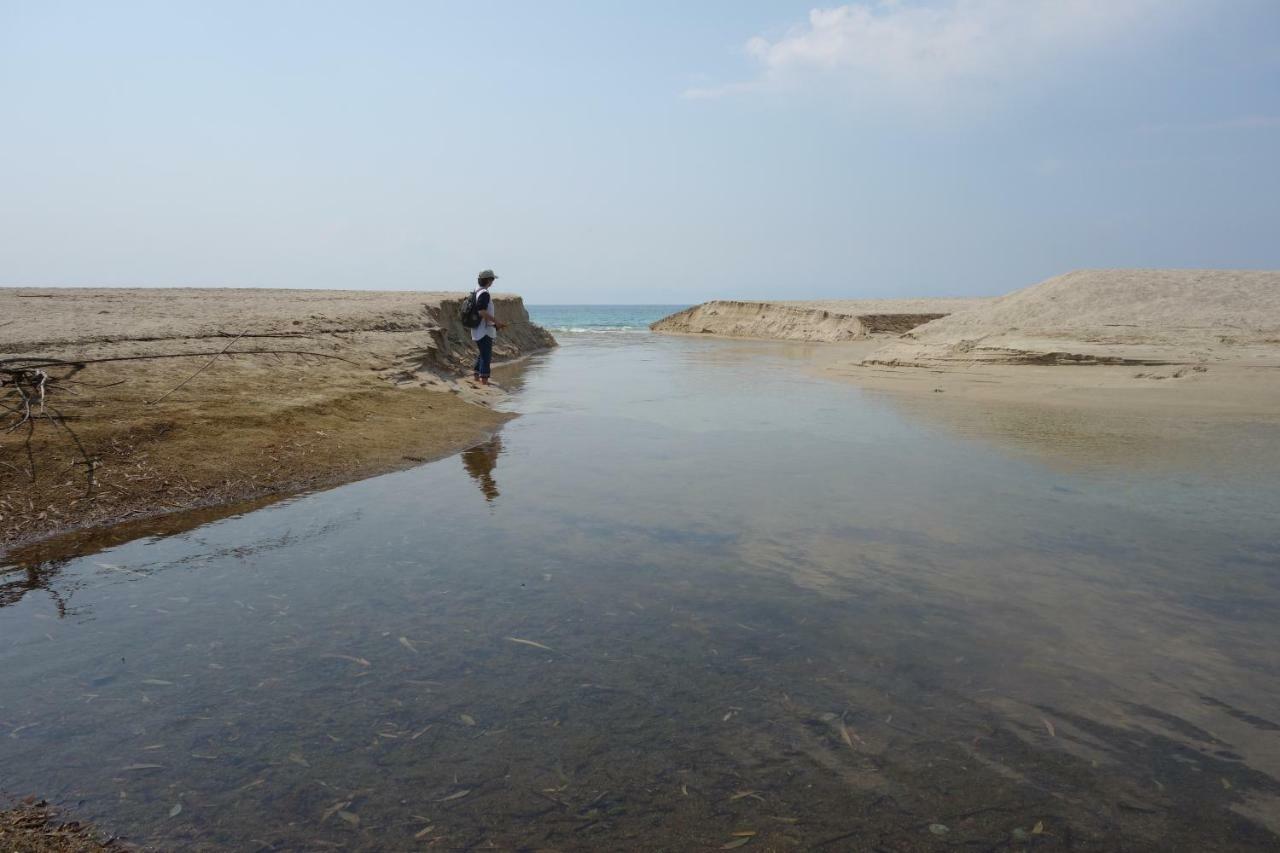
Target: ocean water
<point>694,598</point>
<point>586,319</point>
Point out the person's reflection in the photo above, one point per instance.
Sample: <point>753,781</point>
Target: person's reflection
<point>480,462</point>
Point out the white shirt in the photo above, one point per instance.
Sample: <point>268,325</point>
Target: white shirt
<point>485,327</point>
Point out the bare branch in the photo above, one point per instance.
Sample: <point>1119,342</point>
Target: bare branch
<point>197,373</point>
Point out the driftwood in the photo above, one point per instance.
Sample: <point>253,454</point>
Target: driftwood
<point>24,399</point>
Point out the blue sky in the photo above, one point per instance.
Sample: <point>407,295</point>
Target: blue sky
<point>658,152</point>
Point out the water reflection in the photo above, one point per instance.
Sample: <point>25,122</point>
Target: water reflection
<point>480,461</point>
<point>723,604</point>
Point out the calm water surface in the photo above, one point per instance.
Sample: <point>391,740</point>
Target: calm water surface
<point>692,599</point>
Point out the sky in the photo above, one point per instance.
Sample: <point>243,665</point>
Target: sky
<point>623,152</point>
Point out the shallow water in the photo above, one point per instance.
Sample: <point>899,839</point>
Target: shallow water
<point>693,593</point>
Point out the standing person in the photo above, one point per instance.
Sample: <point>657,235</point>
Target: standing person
<point>484,333</point>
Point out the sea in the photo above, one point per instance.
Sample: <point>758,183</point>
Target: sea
<point>599,319</point>
<point>698,595</point>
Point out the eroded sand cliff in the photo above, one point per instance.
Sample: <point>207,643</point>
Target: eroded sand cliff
<point>828,321</point>
<point>307,388</point>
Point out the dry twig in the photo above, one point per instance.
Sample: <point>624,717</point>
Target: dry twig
<point>197,373</point>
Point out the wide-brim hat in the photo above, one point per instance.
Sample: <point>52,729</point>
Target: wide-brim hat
<point>484,274</point>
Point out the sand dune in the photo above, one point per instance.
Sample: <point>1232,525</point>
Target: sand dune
<point>1108,317</point>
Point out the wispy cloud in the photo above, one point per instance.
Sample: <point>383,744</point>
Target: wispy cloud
<point>932,51</point>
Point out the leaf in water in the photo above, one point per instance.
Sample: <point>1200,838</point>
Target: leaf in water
<point>296,758</point>
<point>334,809</point>
<point>143,767</point>
<point>1038,829</point>
<point>737,842</point>
<point>1226,784</point>
<point>844,736</point>
<point>176,810</point>
<point>351,658</point>
<point>423,833</point>
<point>420,732</point>
<point>456,795</point>
<point>159,681</point>
<point>350,817</point>
<point>404,641</point>
<point>939,828</point>
<point>1049,727</point>
<point>467,719</point>
<point>738,795</point>
<point>530,643</point>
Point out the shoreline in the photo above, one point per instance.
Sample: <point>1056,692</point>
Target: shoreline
<point>190,400</point>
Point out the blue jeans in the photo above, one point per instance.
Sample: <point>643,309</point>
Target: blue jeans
<point>485,358</point>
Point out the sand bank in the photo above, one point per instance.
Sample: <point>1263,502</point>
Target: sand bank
<point>1134,317</point>
<point>310,388</point>
<point>827,321</point>
<point>1131,367</point>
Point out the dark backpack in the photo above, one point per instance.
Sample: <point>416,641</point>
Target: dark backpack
<point>470,312</point>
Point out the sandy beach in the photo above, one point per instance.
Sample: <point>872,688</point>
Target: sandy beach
<point>163,400</point>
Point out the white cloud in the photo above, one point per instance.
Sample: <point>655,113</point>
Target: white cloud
<point>932,51</point>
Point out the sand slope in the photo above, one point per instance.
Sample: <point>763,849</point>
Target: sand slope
<point>1108,317</point>
<point>829,320</point>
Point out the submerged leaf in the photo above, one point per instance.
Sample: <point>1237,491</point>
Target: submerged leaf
<point>350,817</point>
<point>404,641</point>
<point>1038,829</point>
<point>334,809</point>
<point>939,828</point>
<point>467,719</point>
<point>1049,727</point>
<point>176,810</point>
<point>530,643</point>
<point>737,842</point>
<point>351,658</point>
<point>456,795</point>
